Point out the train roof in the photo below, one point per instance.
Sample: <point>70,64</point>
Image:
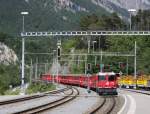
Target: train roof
<point>106,73</point>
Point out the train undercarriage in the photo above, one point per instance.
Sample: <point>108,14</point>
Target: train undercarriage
<point>107,91</point>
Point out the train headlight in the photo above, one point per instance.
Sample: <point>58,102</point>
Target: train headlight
<point>112,83</point>
<point>90,82</point>
<point>107,83</point>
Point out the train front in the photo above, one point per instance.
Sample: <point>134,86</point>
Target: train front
<point>107,83</point>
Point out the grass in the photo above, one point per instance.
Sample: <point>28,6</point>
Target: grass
<point>12,92</point>
<point>33,88</point>
<point>39,87</point>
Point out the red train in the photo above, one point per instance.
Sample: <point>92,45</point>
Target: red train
<point>103,83</point>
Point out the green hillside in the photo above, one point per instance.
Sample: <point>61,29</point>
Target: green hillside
<point>41,17</point>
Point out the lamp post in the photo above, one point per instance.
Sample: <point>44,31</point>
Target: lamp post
<point>23,48</point>
<point>131,11</point>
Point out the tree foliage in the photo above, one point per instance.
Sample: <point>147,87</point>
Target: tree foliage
<point>124,44</point>
<point>141,21</point>
<point>9,75</point>
<point>93,22</point>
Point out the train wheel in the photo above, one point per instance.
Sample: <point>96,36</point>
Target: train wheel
<point>100,93</point>
<point>115,93</point>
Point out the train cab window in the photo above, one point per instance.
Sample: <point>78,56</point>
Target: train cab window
<point>111,78</point>
<point>100,77</point>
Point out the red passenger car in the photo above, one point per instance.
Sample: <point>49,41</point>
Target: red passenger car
<point>103,82</point>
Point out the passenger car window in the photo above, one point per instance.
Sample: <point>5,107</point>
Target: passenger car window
<point>100,77</point>
<point>111,78</point>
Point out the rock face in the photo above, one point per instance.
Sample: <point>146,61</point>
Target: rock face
<point>69,5</point>
<point>111,5</point>
<point>122,6</point>
<point>59,15</point>
<point>7,55</point>
<point>119,6</point>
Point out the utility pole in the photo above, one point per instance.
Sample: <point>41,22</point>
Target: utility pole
<point>127,67</point>
<point>101,68</point>
<point>89,46</point>
<point>101,57</point>
<point>94,45</point>
<point>94,49</point>
<point>86,56</point>
<point>99,43</point>
<point>31,71</point>
<point>135,76</point>
<point>85,64</point>
<point>23,60</point>
<point>36,68</point>
<point>45,68</point>
<point>88,76</point>
<point>95,60</point>
<point>54,73</point>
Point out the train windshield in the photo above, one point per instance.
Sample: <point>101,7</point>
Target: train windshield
<point>100,77</point>
<point>111,78</point>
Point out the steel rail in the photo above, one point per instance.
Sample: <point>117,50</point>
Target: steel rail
<point>136,91</point>
<point>31,97</point>
<point>111,107</point>
<point>99,107</point>
<point>102,105</point>
<point>50,105</point>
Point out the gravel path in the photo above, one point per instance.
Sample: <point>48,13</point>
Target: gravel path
<point>80,105</point>
<point>9,97</point>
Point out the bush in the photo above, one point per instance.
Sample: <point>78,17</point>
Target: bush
<point>12,92</point>
<point>39,87</point>
<point>9,75</point>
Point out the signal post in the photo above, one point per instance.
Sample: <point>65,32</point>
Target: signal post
<point>88,73</point>
<point>58,57</point>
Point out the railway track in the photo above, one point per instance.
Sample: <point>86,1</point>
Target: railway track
<point>39,109</point>
<point>137,91</point>
<point>106,107</point>
<point>32,97</point>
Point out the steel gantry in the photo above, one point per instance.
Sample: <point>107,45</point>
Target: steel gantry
<point>85,33</point>
<point>119,54</point>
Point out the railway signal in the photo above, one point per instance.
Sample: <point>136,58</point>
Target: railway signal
<point>88,75</point>
<point>58,52</point>
<point>107,67</point>
<point>59,49</point>
<point>98,66</point>
<point>122,65</point>
<point>89,68</point>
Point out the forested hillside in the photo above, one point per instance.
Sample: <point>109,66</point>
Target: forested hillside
<point>44,15</point>
<point>123,44</point>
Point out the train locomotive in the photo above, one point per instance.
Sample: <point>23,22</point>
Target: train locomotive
<point>102,82</point>
<point>107,83</point>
